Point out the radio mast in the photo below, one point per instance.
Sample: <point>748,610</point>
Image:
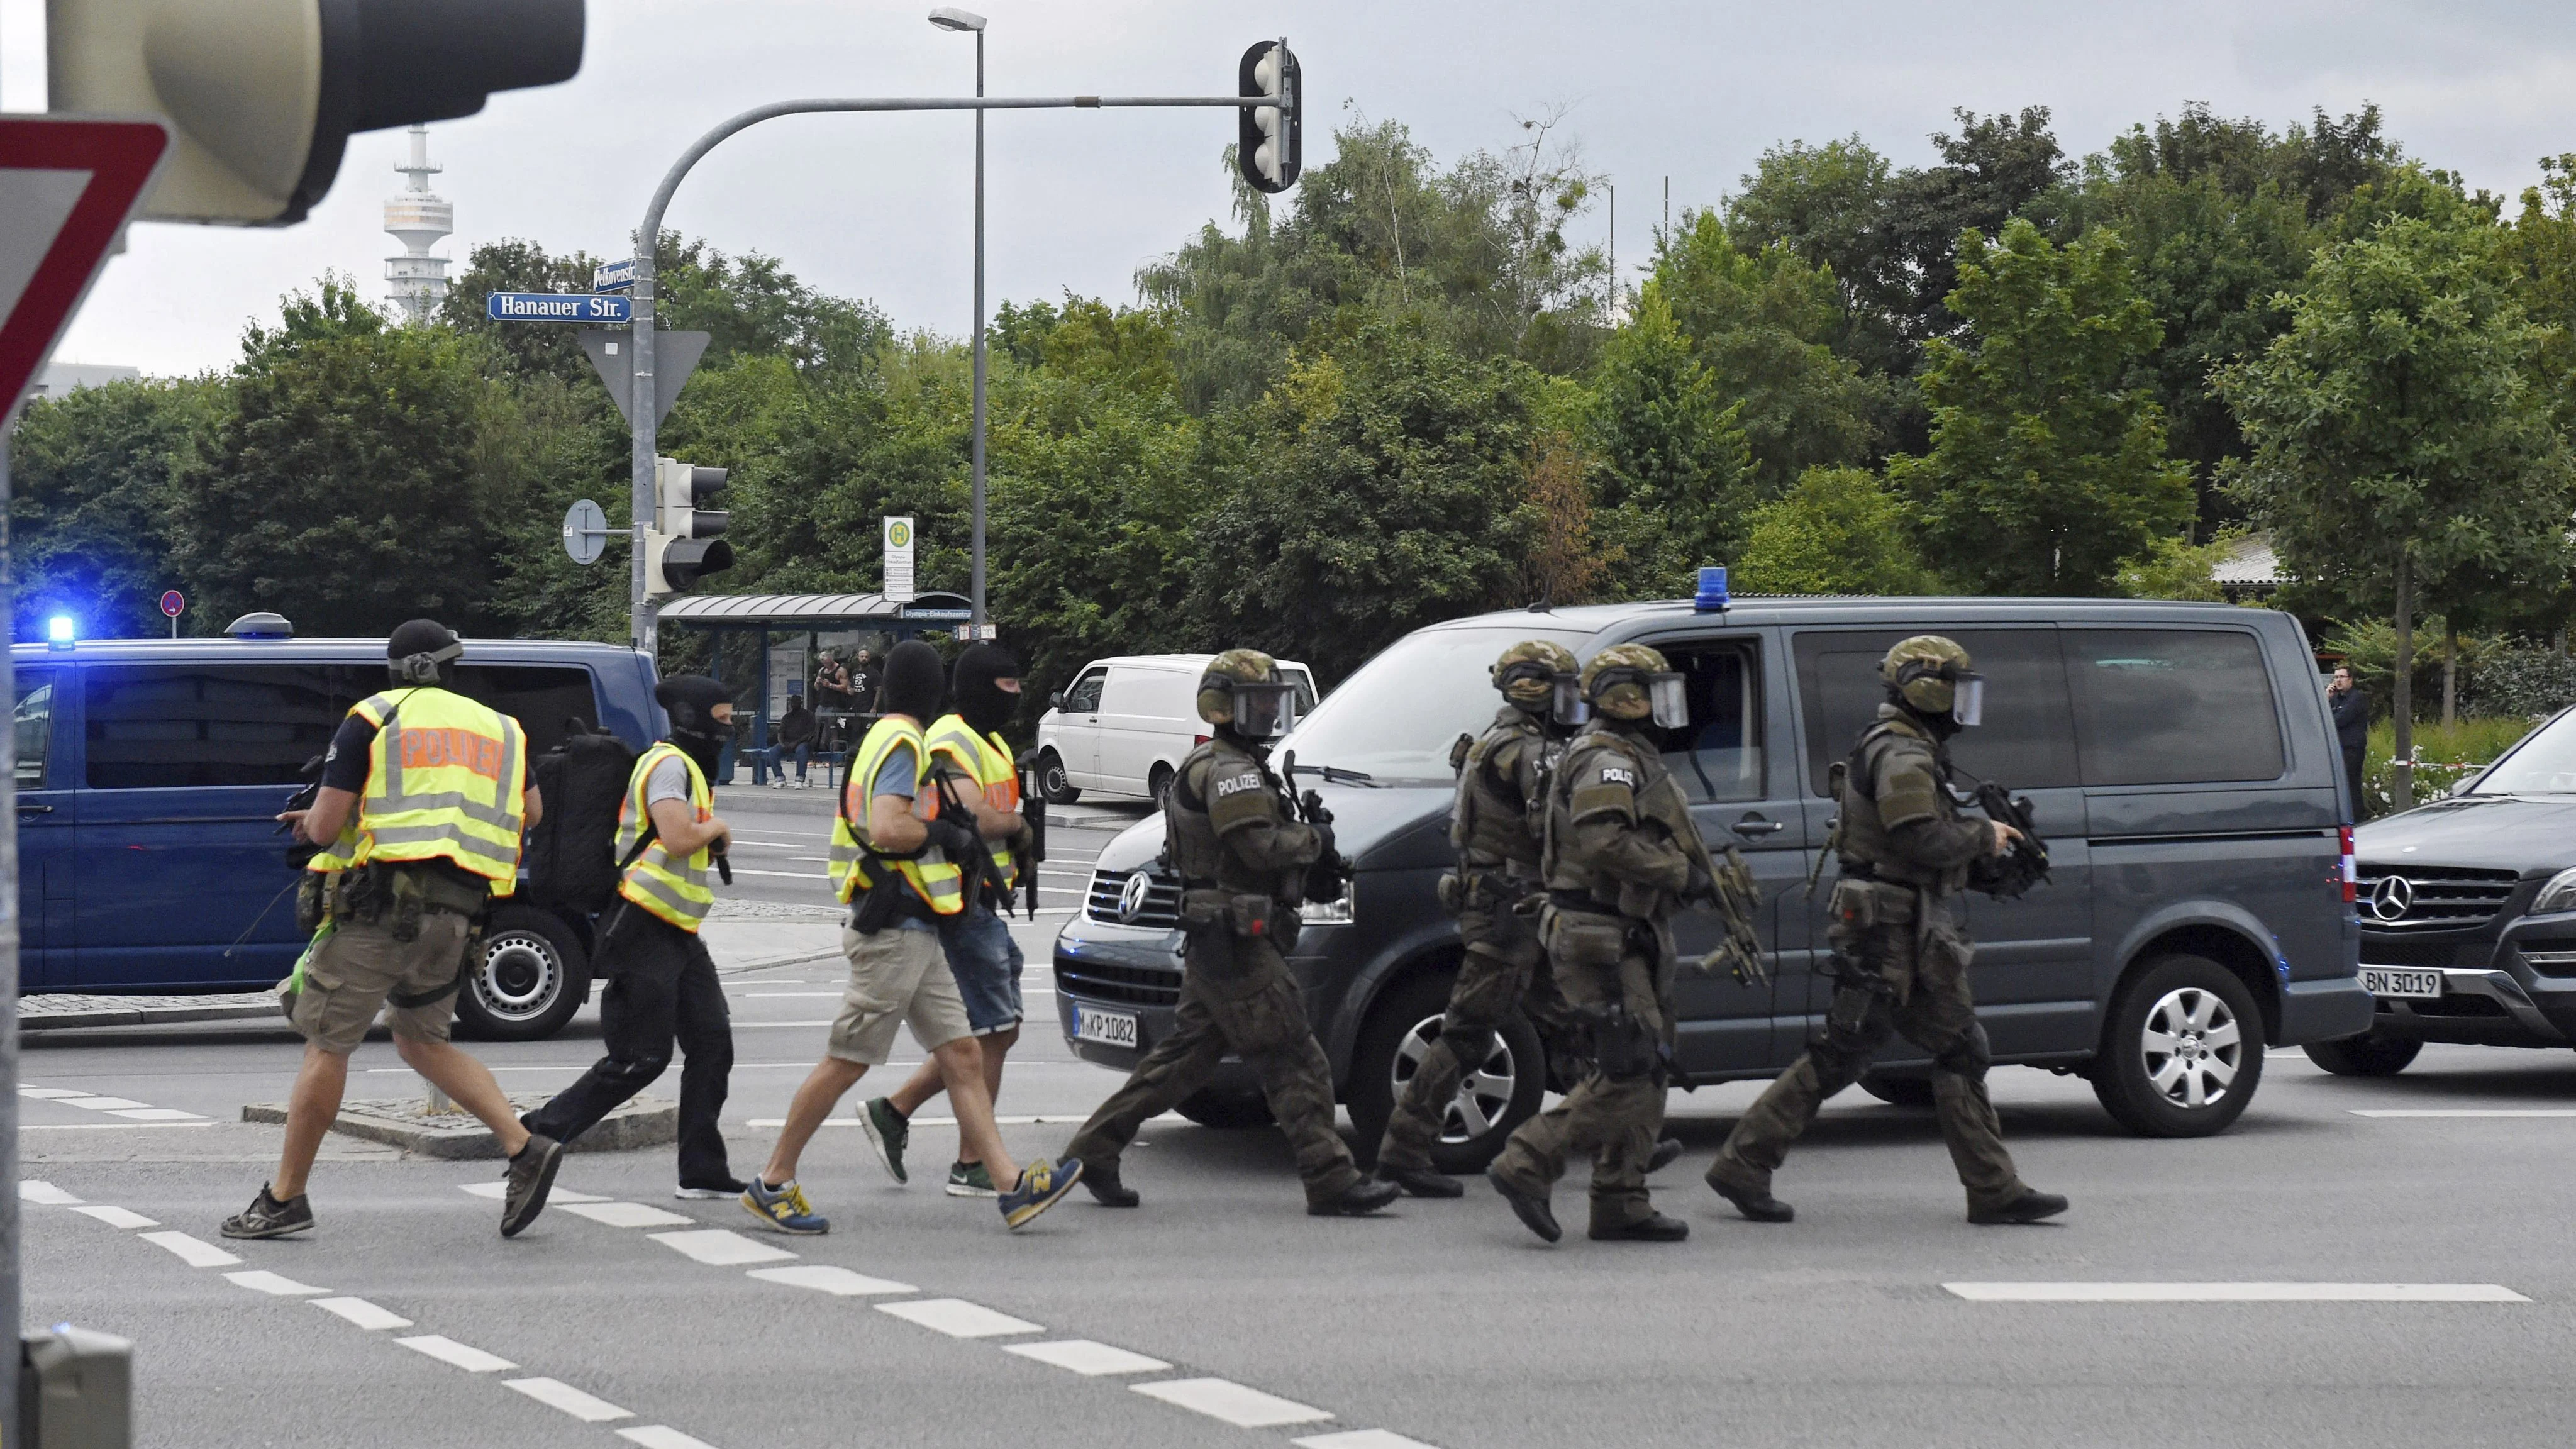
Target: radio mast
<point>419,220</point>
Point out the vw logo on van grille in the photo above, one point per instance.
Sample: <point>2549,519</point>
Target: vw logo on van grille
<point>1131,896</point>
<point>2392,898</point>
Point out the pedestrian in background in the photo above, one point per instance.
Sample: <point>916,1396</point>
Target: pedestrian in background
<point>864,677</point>
<point>2352,730</point>
<point>420,812</point>
<point>796,737</point>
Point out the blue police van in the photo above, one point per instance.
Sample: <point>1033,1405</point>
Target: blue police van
<point>151,772</point>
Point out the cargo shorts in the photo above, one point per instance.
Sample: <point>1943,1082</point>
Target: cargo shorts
<point>354,968</point>
<point>898,975</point>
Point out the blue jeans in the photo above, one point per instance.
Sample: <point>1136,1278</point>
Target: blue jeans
<point>986,962</point>
<point>804,753</point>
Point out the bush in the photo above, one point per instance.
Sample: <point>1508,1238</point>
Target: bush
<point>2522,683</point>
<point>2443,757</point>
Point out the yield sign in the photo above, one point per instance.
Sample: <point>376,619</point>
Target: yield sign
<point>66,189</point>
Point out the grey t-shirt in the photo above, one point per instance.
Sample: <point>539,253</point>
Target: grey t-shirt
<point>899,776</point>
<point>668,781</point>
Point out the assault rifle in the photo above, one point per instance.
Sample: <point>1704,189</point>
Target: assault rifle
<point>2009,876</point>
<point>1330,875</point>
<point>1033,811</point>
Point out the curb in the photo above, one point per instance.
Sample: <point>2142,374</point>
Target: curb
<point>38,1013</point>
<point>458,1135</point>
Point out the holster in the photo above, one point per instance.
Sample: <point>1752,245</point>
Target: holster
<point>885,904</point>
<point>1624,1047</point>
<point>312,901</point>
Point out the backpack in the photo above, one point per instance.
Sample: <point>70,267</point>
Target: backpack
<point>572,852</point>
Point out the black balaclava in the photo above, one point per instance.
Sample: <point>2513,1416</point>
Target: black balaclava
<point>914,681</point>
<point>984,704</point>
<point>422,652</point>
<point>691,700</point>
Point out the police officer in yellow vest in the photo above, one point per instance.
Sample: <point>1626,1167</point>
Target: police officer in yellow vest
<point>662,986</point>
<point>968,753</point>
<point>893,860</point>
<point>423,798</point>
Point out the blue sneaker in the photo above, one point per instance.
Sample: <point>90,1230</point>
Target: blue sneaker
<point>783,1209</point>
<point>1042,1183</point>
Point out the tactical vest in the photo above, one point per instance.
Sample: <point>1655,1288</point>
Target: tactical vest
<point>675,891</point>
<point>988,760</point>
<point>1492,825</point>
<point>1867,850</point>
<point>446,780</point>
<point>933,880</point>
<point>1657,798</point>
<point>1198,851</point>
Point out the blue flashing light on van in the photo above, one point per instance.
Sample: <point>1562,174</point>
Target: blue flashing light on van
<point>150,773</point>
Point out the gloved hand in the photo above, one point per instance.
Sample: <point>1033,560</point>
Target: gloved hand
<point>952,839</point>
<point>1702,887</point>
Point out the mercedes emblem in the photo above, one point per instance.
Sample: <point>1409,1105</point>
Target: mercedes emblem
<point>2392,898</point>
<point>1131,896</point>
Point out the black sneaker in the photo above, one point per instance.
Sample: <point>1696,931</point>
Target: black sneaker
<point>1652,1228</point>
<point>714,1189</point>
<point>1533,1212</point>
<point>1357,1200</point>
<point>1105,1186</point>
<point>1422,1181</point>
<point>266,1217</point>
<point>532,1176</point>
<point>2030,1207</point>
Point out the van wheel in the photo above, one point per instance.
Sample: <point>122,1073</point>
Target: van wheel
<point>1157,780</point>
<point>1496,1095</point>
<point>1214,1107</point>
<point>1052,783</point>
<point>2371,1054</point>
<point>2183,1051</point>
<point>532,977</point>
<point>1899,1091</point>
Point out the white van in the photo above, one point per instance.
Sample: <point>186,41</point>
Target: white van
<point>1123,725</point>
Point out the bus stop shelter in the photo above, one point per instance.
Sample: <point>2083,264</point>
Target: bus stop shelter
<point>764,646</point>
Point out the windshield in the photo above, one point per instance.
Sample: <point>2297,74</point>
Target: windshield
<point>2543,764</point>
<point>1398,715</point>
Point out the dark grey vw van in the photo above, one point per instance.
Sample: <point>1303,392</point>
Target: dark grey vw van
<point>2180,756</point>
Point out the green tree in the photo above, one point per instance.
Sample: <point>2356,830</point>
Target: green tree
<point>1838,531</point>
<point>92,490</point>
<point>1674,477</point>
<point>2047,468</point>
<point>2399,439</point>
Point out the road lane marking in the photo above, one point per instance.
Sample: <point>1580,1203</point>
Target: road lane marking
<point>104,1126</point>
<point>661,1436</point>
<point>117,1217</point>
<point>626,1214</point>
<point>1224,1399</point>
<point>958,1318</point>
<point>46,1193</point>
<point>362,1313</point>
<point>783,995</point>
<point>499,1190</point>
<point>2465,1112</point>
<point>101,1104</point>
<point>448,1351</point>
<point>2235,1293</point>
<point>51,1094</point>
<point>1087,1358</point>
<point>837,1281</point>
<point>191,1251</point>
<point>276,1285</point>
<point>556,1394</point>
<point>154,1114</point>
<point>743,1025</point>
<point>1359,1439</point>
<point>720,1247</point>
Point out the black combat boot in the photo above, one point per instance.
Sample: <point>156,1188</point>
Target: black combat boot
<point>1102,1179</point>
<point>1665,1153</point>
<point>2030,1207</point>
<point>1652,1228</point>
<point>1751,1196</point>
<point>1533,1212</point>
<point>1422,1181</point>
<point>1357,1200</point>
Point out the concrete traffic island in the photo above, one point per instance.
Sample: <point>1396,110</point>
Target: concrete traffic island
<point>449,1131</point>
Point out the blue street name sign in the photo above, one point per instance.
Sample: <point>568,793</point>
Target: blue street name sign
<point>613,276</point>
<point>556,307</point>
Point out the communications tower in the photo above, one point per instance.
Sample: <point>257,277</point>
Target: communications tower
<point>418,219</point>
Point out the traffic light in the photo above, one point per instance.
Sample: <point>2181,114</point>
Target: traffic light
<point>1267,146</point>
<point>262,95</point>
<point>684,544</point>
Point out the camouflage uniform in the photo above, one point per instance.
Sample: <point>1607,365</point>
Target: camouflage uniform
<point>1242,862</point>
<point>1901,968</point>
<point>1497,837</point>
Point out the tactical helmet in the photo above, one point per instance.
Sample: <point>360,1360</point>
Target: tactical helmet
<point>1527,672</point>
<point>1934,676</point>
<point>1631,682</point>
<point>1241,689</point>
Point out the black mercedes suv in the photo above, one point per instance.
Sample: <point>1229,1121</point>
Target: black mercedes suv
<point>2180,758</point>
<point>2468,913</point>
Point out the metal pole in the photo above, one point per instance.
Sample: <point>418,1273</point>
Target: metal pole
<point>9,1242</point>
<point>640,457</point>
<point>977,572</point>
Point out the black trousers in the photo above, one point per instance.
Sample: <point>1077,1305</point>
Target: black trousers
<point>664,991</point>
<point>2352,770</point>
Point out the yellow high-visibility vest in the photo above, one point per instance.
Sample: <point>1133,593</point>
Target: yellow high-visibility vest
<point>677,893</point>
<point>931,877</point>
<point>988,760</point>
<point>447,779</point>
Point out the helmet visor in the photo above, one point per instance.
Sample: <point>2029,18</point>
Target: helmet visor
<point>1264,711</point>
<point>1968,699</point>
<point>1570,707</point>
<point>1670,694</point>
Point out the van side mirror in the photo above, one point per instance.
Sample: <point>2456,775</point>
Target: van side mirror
<point>1056,700</point>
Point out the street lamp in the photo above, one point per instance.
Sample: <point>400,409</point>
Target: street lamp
<point>949,17</point>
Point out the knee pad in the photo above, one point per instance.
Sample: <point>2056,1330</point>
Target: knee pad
<point>1967,1057</point>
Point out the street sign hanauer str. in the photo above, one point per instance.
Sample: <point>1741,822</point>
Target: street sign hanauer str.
<point>555,307</point>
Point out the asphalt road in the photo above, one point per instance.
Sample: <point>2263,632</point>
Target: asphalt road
<point>1441,1324</point>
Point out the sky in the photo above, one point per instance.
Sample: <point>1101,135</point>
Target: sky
<point>880,207</point>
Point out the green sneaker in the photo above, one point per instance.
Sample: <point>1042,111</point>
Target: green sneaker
<point>887,1131</point>
<point>969,1179</point>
